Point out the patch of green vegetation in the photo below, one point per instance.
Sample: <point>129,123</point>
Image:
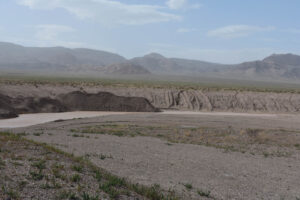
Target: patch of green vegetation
<point>112,129</point>
<point>266,154</point>
<point>203,193</point>
<point>57,173</point>
<point>38,134</point>
<point>182,82</point>
<point>16,163</point>
<point>22,134</point>
<point>41,164</point>
<point>111,184</point>
<point>2,163</point>
<point>227,139</point>
<point>188,186</point>
<point>75,178</point>
<point>37,176</point>
<point>277,154</point>
<point>103,156</point>
<point>46,186</point>
<point>22,184</point>
<point>53,185</point>
<point>15,157</point>
<point>155,192</point>
<point>86,196</point>
<point>77,168</point>
<point>68,195</point>
<point>110,190</point>
<point>57,166</point>
<point>12,194</point>
<point>76,135</point>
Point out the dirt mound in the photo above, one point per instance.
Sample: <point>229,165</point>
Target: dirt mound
<point>6,114</point>
<point>6,111</point>
<point>38,105</point>
<point>11,107</point>
<point>75,101</point>
<point>105,101</point>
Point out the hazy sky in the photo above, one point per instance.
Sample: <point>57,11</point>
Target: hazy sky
<point>226,31</point>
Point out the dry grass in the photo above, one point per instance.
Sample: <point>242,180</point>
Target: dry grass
<point>212,84</point>
<point>254,141</point>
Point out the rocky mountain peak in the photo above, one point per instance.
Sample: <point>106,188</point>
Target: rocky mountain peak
<point>155,56</point>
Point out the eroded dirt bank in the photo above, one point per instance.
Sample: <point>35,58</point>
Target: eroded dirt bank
<point>197,100</point>
<point>11,106</point>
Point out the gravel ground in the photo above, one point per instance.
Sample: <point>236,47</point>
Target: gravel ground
<point>35,171</point>
<point>194,171</point>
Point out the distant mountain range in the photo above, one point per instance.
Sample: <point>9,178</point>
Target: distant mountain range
<point>16,57</point>
<point>276,66</point>
<point>54,58</point>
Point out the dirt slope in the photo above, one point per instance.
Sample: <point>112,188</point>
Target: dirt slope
<point>6,111</point>
<point>204,100</point>
<point>74,101</point>
<point>104,101</point>
<point>197,100</point>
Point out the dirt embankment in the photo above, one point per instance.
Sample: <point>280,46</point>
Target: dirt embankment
<point>105,101</point>
<point>6,110</point>
<point>197,100</point>
<point>74,101</point>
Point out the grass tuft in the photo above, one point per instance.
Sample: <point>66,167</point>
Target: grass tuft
<point>203,193</point>
<point>77,168</point>
<point>188,186</point>
<point>75,178</point>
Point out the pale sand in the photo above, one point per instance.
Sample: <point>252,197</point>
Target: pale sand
<point>26,120</point>
<point>219,113</point>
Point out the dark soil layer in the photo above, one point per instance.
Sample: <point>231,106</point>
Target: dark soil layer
<point>6,110</point>
<point>105,101</point>
<point>74,101</point>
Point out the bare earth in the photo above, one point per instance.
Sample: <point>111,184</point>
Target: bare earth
<point>193,170</point>
<point>179,99</point>
<point>25,120</point>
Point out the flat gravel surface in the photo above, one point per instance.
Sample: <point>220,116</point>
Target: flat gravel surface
<point>148,160</point>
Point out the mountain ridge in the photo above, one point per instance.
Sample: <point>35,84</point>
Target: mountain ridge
<point>13,56</point>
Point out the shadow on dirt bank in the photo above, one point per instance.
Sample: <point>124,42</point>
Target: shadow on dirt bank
<point>74,101</point>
